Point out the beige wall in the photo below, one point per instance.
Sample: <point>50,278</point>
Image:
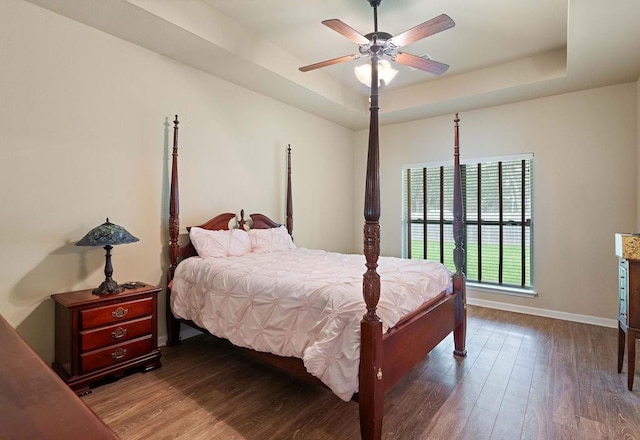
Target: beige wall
<point>82,118</point>
<point>585,185</point>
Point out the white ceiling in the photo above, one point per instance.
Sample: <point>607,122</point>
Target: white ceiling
<point>500,51</point>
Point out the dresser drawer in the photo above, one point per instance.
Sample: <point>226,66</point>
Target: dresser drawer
<point>113,334</point>
<point>115,313</point>
<point>115,354</point>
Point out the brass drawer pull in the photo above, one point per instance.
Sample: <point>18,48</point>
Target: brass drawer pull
<point>119,353</point>
<point>119,312</point>
<point>118,333</point>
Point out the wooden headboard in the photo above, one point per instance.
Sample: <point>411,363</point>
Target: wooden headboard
<point>222,222</point>
<point>178,253</point>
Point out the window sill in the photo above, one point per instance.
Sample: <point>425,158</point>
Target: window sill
<point>513,291</point>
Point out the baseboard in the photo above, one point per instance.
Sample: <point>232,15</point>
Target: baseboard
<point>585,319</point>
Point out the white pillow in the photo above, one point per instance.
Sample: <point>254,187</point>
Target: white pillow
<point>270,240</point>
<point>223,243</point>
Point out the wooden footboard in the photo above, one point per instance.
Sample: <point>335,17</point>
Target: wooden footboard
<point>407,344</point>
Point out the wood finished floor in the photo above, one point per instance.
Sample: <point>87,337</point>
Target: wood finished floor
<point>525,377</point>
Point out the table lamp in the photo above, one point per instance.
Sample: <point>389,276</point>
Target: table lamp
<point>107,235</point>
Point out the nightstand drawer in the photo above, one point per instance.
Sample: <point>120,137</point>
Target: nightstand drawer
<point>115,354</point>
<point>115,313</point>
<point>116,333</point>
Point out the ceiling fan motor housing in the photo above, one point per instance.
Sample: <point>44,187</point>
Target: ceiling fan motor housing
<point>382,36</point>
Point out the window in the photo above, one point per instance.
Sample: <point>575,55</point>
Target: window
<point>497,200</point>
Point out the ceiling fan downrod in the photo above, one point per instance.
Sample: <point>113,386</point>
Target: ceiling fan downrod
<point>374,4</point>
<point>384,36</point>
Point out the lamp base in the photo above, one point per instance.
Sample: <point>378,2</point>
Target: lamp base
<point>108,287</point>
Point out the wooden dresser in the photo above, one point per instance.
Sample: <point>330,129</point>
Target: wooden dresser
<point>35,403</point>
<point>105,335</point>
<point>628,251</point>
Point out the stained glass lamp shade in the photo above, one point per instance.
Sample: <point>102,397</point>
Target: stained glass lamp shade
<point>107,235</point>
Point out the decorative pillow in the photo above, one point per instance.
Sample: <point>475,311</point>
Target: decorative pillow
<point>233,243</point>
<point>270,240</point>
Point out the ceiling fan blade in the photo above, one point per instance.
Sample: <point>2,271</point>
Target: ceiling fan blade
<point>431,66</point>
<point>433,26</point>
<point>328,62</point>
<point>342,28</point>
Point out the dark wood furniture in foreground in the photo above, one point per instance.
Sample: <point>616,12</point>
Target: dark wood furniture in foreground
<point>35,403</point>
<point>629,314</point>
<point>384,358</point>
<point>105,335</point>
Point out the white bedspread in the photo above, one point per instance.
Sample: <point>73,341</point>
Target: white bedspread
<point>302,303</point>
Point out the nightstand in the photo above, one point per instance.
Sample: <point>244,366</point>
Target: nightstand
<point>105,335</point>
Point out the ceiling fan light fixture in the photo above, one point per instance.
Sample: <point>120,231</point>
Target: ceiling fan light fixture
<point>385,73</point>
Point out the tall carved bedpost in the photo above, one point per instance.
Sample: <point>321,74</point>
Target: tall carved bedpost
<point>173,326</point>
<point>459,285</point>
<point>371,392</point>
<point>289,194</point>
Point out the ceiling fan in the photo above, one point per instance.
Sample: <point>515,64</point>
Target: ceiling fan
<point>379,44</point>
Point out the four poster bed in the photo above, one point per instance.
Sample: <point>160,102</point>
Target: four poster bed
<point>313,313</point>
<point>381,338</point>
